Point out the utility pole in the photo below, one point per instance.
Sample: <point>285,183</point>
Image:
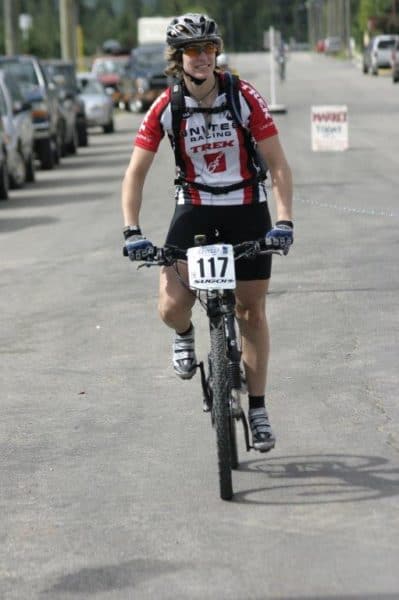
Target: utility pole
<point>348,28</point>
<point>11,11</point>
<point>68,29</point>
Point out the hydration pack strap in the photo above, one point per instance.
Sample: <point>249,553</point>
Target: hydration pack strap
<point>233,101</point>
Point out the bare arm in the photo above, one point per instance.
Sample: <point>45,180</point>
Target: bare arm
<point>281,178</point>
<point>133,183</point>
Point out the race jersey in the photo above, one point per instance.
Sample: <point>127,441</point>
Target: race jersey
<point>214,154</point>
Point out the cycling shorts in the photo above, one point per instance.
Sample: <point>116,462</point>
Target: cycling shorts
<point>229,224</point>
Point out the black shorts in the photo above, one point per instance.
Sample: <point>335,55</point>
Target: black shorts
<point>229,224</point>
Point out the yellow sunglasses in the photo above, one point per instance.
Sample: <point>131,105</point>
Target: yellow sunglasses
<point>192,51</point>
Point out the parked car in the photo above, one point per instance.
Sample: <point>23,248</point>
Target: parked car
<point>395,62</point>
<point>148,64</point>
<point>42,94</point>
<point>114,74</point>
<point>98,102</point>
<point>3,165</point>
<point>378,53</point>
<point>63,74</point>
<point>16,118</point>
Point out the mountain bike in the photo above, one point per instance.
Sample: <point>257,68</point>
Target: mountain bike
<point>211,270</point>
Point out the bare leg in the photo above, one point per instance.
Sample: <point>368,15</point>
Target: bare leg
<point>251,316</point>
<point>175,301</point>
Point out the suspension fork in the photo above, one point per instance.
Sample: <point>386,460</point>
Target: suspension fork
<point>233,343</point>
<point>234,363</point>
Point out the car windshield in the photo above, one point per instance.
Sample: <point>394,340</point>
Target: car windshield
<point>66,72</point>
<point>91,86</point>
<point>24,72</point>
<point>109,66</point>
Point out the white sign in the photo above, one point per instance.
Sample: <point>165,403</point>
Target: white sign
<point>329,128</point>
<point>211,267</point>
<point>152,29</point>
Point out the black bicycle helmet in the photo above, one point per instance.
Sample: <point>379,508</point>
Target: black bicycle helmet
<point>192,27</point>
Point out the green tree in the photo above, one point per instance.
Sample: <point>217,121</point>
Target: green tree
<point>379,13</point>
<point>45,19</point>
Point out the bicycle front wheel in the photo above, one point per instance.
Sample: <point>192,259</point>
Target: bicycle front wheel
<point>233,442</point>
<point>220,407</point>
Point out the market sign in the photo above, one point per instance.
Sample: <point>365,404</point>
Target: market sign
<point>329,128</point>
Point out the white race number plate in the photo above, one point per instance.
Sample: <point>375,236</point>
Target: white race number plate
<point>211,267</point>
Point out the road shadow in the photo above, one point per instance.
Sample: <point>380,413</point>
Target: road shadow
<point>320,479</point>
<point>97,580</point>
<point>7,225</point>
<point>365,596</point>
<point>64,181</point>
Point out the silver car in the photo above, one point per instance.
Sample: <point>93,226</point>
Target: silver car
<point>98,103</point>
<point>16,116</point>
<point>378,53</point>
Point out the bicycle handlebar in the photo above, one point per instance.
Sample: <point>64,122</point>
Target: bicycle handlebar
<point>168,255</point>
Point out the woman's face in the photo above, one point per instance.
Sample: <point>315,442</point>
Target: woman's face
<point>199,60</point>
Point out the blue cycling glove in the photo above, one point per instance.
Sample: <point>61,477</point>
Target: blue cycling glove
<point>138,247</point>
<point>281,237</point>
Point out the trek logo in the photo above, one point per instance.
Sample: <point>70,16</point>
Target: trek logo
<point>213,146</point>
<point>258,97</point>
<point>216,162</point>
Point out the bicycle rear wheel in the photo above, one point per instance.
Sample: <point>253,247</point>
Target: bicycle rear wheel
<point>220,408</point>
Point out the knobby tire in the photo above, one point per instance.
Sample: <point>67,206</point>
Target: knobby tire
<point>220,408</point>
<point>233,443</point>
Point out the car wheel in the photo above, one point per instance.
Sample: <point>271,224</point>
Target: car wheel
<point>57,148</point>
<point>109,127</point>
<point>18,176</point>
<point>47,154</point>
<point>30,168</point>
<point>61,142</point>
<point>72,145</point>
<point>83,138</point>
<point>395,77</point>
<point>4,182</point>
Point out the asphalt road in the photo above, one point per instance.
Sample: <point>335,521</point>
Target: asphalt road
<point>108,468</point>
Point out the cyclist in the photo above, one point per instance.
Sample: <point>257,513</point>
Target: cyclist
<point>213,158</point>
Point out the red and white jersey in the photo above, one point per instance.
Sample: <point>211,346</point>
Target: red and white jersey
<point>214,155</point>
